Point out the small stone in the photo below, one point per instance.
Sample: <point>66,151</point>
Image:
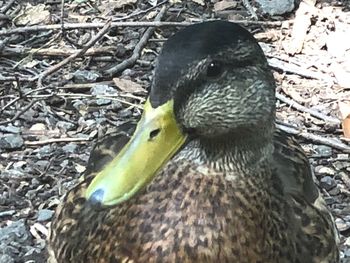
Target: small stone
<point>341,165</point>
<point>335,191</point>
<point>42,163</point>
<point>38,127</point>
<point>102,102</point>
<point>66,126</point>
<point>327,183</point>
<point>10,141</point>
<point>79,105</point>
<point>276,7</point>
<point>343,156</point>
<point>19,165</point>
<point>12,173</point>
<point>90,123</point>
<point>70,147</point>
<point>44,215</point>
<point>7,213</point>
<point>6,259</point>
<point>85,76</point>
<point>46,150</point>
<point>325,170</point>
<point>124,113</point>
<point>13,232</point>
<point>103,90</point>
<point>342,225</point>
<point>347,253</point>
<point>323,150</point>
<point>10,129</point>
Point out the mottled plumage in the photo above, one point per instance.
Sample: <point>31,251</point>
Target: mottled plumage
<point>237,191</point>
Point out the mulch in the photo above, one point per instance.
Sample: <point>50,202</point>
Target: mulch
<point>71,73</point>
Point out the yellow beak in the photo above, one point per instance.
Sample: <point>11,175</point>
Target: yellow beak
<point>156,139</point>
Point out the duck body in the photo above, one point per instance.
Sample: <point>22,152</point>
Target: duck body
<point>206,219</point>
<point>235,190</point>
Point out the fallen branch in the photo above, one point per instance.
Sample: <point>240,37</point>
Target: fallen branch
<point>18,114</point>
<point>315,138</point>
<point>302,108</point>
<point>34,143</point>
<point>80,96</point>
<point>250,9</point>
<point>29,29</point>
<point>138,48</point>
<point>58,52</point>
<point>294,69</point>
<point>81,52</point>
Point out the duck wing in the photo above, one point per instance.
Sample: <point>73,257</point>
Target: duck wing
<point>293,168</point>
<point>316,234</point>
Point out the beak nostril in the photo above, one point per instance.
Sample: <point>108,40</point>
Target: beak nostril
<point>153,133</point>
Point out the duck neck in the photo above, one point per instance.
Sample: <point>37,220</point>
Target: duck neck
<point>238,152</point>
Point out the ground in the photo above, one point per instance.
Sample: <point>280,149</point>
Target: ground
<point>54,102</point>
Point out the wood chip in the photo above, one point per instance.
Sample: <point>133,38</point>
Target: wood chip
<point>128,86</point>
<point>301,25</point>
<point>200,2</point>
<point>223,5</point>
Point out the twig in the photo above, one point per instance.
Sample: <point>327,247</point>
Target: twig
<point>79,96</point>
<point>302,108</point>
<point>59,65</point>
<point>62,17</point>
<point>28,29</point>
<point>24,96</point>
<point>33,143</point>
<point>7,7</point>
<point>292,68</point>
<point>138,48</point>
<point>315,138</point>
<point>18,114</point>
<point>65,52</point>
<point>250,9</point>
<point>139,12</point>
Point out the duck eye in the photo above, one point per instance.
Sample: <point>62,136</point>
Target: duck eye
<point>214,69</point>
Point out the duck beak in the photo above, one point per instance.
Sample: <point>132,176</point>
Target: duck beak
<point>156,139</point>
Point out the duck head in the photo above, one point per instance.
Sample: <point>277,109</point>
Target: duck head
<point>211,83</point>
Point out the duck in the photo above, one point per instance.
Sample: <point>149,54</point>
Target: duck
<point>204,176</point>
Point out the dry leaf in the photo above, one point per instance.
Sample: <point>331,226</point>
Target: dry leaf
<point>128,86</point>
<point>344,109</point>
<point>33,15</point>
<point>341,72</point>
<point>223,5</point>
<point>301,26</point>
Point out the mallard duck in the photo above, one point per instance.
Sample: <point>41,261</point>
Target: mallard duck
<point>205,177</point>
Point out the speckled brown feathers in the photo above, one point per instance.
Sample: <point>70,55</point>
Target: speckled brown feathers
<point>238,191</point>
<point>187,216</point>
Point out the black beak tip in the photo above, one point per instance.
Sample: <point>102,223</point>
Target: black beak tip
<point>96,198</point>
